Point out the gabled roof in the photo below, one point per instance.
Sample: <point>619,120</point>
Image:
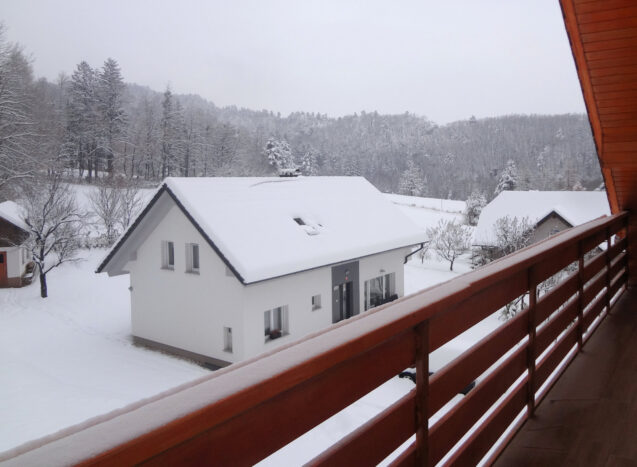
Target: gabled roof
<point>269,227</point>
<point>10,212</point>
<point>575,207</point>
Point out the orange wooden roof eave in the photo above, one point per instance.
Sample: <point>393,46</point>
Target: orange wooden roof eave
<point>583,72</point>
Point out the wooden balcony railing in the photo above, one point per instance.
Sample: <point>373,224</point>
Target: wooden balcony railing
<point>243,413</point>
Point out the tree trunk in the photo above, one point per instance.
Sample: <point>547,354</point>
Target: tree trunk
<point>451,265</point>
<point>43,288</point>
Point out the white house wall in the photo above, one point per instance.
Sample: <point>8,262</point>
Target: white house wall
<point>15,265</point>
<point>296,291</point>
<point>181,309</point>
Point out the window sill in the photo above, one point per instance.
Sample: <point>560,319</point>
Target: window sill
<point>227,350</point>
<point>270,339</point>
<point>168,268</point>
<point>314,308</point>
<point>195,272</point>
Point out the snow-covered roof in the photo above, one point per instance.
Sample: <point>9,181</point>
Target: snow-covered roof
<point>11,212</point>
<point>269,227</point>
<point>576,207</point>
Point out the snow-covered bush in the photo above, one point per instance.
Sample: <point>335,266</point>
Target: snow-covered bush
<point>449,240</point>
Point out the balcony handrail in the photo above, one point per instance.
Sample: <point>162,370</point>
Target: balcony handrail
<point>199,420</point>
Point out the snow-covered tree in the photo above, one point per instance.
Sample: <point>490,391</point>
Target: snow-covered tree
<point>279,154</point>
<point>449,239</point>
<point>17,130</point>
<point>309,164</point>
<point>110,90</point>
<point>512,234</point>
<point>412,181</point>
<point>54,221</point>
<point>475,203</point>
<point>83,119</point>
<point>509,178</point>
<point>577,186</point>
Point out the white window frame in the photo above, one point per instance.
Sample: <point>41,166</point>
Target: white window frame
<point>166,247</point>
<point>190,258</point>
<point>387,281</point>
<point>316,302</point>
<point>275,323</point>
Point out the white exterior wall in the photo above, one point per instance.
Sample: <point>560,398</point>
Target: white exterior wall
<point>189,311</point>
<point>181,309</point>
<point>15,264</point>
<point>296,291</point>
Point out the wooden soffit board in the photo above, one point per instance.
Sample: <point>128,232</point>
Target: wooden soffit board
<point>603,37</point>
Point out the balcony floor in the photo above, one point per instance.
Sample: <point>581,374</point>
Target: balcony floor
<point>590,416</point>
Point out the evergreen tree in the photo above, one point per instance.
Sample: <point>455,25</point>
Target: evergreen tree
<point>110,94</point>
<point>412,182</point>
<point>509,178</point>
<point>475,203</point>
<point>279,154</point>
<point>83,120</point>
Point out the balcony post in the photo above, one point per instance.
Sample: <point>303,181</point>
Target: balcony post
<point>422,393</point>
<point>580,296</point>
<point>531,344</point>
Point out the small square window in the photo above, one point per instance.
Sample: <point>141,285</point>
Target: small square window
<point>167,255</point>
<point>192,257</point>
<point>316,302</point>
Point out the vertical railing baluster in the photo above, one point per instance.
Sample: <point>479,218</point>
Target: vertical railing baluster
<point>532,326</point>
<point>422,393</point>
<point>608,278</point>
<point>580,296</point>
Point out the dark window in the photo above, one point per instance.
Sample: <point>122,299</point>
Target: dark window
<point>299,221</point>
<point>171,254</point>
<point>195,256</point>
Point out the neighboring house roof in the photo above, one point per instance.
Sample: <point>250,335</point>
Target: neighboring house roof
<point>16,235</point>
<point>575,207</point>
<point>11,212</point>
<point>269,227</point>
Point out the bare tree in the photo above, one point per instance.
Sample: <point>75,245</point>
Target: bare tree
<point>17,130</point>
<point>106,202</point>
<point>449,239</point>
<point>512,234</point>
<point>130,203</point>
<point>54,222</point>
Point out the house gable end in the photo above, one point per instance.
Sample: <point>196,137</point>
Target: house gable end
<point>148,219</point>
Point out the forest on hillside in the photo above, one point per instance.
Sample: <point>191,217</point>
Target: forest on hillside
<point>91,124</point>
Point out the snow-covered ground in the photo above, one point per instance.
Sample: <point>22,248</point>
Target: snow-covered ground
<point>70,357</point>
<point>426,212</point>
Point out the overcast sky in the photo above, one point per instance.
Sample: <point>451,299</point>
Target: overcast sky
<point>445,59</point>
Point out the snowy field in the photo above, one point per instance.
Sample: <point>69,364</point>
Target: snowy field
<point>70,357</point>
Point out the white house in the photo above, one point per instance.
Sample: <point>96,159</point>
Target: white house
<point>548,211</point>
<point>222,269</point>
<point>15,264</point>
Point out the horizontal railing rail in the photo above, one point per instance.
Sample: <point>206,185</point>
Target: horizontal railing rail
<point>242,414</point>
